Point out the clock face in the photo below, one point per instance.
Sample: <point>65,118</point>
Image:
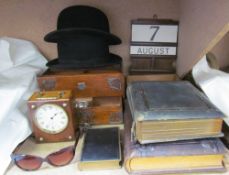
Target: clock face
<point>51,118</point>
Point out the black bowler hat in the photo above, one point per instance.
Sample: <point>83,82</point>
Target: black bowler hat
<point>78,20</point>
<point>83,40</point>
<point>84,52</point>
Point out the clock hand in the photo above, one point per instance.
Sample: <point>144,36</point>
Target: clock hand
<point>53,116</point>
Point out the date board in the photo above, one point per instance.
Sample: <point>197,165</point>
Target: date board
<point>154,38</point>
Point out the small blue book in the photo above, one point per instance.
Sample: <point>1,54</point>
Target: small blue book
<point>101,149</point>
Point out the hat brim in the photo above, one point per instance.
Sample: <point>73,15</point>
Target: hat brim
<point>58,35</point>
<point>111,60</point>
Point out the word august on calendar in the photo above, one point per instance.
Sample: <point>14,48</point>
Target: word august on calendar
<point>152,50</point>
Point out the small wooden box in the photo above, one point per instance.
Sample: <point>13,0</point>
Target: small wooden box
<point>93,83</point>
<point>152,77</point>
<point>102,111</point>
<point>149,65</point>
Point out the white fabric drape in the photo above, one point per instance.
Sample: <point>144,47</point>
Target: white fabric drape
<point>21,62</point>
<point>214,83</point>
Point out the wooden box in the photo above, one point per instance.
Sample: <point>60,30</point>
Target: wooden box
<point>152,77</point>
<point>94,83</point>
<point>149,65</point>
<point>101,111</point>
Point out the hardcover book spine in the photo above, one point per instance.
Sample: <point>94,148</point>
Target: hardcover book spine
<point>130,150</point>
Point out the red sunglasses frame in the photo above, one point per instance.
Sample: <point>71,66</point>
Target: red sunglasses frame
<point>17,157</point>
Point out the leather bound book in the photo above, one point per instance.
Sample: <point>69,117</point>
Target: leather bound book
<point>171,111</point>
<point>101,149</point>
<point>226,134</point>
<point>189,156</point>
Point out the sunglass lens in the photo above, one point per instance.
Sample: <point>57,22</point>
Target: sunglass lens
<point>28,162</point>
<point>61,157</point>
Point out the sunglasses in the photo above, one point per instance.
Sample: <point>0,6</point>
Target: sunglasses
<point>58,158</point>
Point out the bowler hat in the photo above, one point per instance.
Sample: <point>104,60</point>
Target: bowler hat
<point>78,20</point>
<point>83,38</point>
<point>83,52</point>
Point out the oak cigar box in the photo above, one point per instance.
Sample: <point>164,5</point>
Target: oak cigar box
<point>91,83</point>
<point>98,93</point>
<point>100,110</point>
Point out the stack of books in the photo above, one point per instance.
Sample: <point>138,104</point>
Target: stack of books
<point>171,127</point>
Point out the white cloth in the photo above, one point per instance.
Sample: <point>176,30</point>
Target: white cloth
<point>214,83</point>
<point>21,62</point>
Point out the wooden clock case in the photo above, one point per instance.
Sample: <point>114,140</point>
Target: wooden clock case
<point>60,98</point>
